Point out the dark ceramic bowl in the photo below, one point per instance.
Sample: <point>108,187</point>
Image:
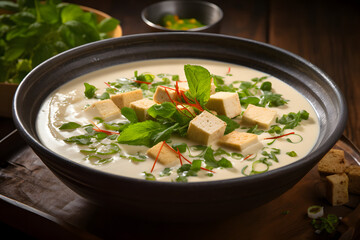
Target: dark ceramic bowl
<point>207,13</point>
<point>164,199</point>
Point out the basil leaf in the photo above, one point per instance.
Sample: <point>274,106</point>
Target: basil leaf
<point>70,12</point>
<point>165,110</point>
<point>107,25</point>
<point>223,162</point>
<point>231,125</point>
<point>149,176</point>
<point>163,135</point>
<point>141,133</point>
<point>70,125</point>
<point>130,114</point>
<point>89,90</point>
<point>181,146</point>
<point>199,81</point>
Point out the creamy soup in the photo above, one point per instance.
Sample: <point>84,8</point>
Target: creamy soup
<point>64,120</point>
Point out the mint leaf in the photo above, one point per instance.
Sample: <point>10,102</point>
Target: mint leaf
<point>199,81</point>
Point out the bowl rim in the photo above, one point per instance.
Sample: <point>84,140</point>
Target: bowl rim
<point>309,159</point>
<point>159,27</point>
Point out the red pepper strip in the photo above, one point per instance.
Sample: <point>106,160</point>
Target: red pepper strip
<point>97,129</point>
<point>192,104</point>
<point>137,81</point>
<point>280,136</point>
<point>178,151</point>
<point>173,102</point>
<point>107,84</point>
<point>247,157</point>
<point>157,156</point>
<point>185,108</point>
<point>185,158</point>
<point>228,70</point>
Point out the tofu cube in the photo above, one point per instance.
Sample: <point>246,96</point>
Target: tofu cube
<point>140,107</point>
<point>225,103</point>
<point>333,162</point>
<point>337,189</point>
<point>353,172</point>
<point>254,115</point>
<point>239,140</point>
<point>206,128</point>
<point>105,109</point>
<point>124,99</point>
<point>166,156</point>
<point>162,94</point>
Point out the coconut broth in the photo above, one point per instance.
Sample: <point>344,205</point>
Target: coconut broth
<point>68,103</point>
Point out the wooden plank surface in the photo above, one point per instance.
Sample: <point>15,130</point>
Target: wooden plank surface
<point>326,33</point>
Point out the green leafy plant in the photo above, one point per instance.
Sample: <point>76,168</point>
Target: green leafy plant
<point>33,31</point>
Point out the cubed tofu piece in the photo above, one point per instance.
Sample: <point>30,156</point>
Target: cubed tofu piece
<point>162,94</point>
<point>225,103</point>
<point>140,107</point>
<point>353,172</point>
<point>239,140</point>
<point>254,115</point>
<point>333,162</point>
<point>337,189</point>
<point>105,109</point>
<point>205,128</point>
<point>124,99</point>
<point>166,157</point>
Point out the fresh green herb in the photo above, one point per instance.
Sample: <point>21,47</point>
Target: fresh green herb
<point>130,114</point>
<point>165,172</point>
<point>69,126</point>
<point>255,130</point>
<point>231,125</point>
<point>292,119</point>
<point>149,176</point>
<point>328,223</point>
<point>108,149</point>
<point>37,30</point>
<point>89,90</point>
<point>220,152</point>
<point>212,162</point>
<point>141,133</point>
<point>180,146</point>
<point>199,81</point>
<point>292,154</point>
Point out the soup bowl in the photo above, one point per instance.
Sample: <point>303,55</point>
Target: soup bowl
<point>170,200</point>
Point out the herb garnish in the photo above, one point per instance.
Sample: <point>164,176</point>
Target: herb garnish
<point>36,31</point>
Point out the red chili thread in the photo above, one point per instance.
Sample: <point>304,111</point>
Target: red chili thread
<point>280,136</point>
<point>157,156</point>
<point>137,81</point>
<point>228,70</point>
<point>97,129</point>
<point>186,159</point>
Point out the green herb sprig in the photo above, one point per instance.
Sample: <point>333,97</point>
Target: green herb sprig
<point>34,31</point>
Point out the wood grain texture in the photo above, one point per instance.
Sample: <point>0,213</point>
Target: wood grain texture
<point>327,34</point>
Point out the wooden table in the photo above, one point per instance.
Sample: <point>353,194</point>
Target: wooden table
<point>327,33</point>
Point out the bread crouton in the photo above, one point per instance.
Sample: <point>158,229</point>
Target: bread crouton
<point>337,189</point>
